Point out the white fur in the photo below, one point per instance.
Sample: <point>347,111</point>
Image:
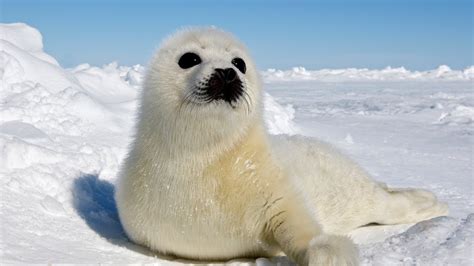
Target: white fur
<point>204,181</point>
<point>336,250</point>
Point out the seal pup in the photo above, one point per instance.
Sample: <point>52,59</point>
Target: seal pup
<point>204,181</point>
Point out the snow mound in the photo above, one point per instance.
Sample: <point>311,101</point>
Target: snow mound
<point>26,38</point>
<point>278,119</point>
<point>442,73</point>
<point>459,115</point>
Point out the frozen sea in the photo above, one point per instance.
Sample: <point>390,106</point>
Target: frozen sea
<point>64,133</point>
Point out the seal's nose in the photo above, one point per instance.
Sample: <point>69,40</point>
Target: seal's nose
<point>227,75</point>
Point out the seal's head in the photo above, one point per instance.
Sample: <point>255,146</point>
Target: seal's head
<point>203,76</point>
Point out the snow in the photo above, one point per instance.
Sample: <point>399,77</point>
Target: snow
<point>442,73</point>
<point>460,114</point>
<point>25,38</point>
<point>64,133</point>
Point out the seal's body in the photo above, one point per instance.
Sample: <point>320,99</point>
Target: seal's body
<point>204,181</point>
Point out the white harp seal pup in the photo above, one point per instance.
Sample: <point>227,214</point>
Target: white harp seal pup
<point>204,181</point>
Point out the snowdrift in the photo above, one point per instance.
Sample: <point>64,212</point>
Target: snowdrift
<point>64,133</point>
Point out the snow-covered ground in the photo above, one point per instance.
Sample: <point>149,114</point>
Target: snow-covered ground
<point>64,132</point>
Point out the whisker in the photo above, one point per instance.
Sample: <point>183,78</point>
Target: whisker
<point>247,100</point>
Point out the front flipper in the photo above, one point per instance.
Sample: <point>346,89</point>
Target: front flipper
<point>332,250</point>
<point>294,229</point>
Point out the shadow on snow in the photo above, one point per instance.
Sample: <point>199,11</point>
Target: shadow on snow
<point>93,200</point>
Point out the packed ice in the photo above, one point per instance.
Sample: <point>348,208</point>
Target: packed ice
<point>442,73</point>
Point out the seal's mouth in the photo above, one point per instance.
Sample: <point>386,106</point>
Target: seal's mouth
<point>223,85</point>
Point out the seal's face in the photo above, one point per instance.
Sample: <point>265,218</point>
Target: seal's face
<point>207,70</point>
<point>224,84</point>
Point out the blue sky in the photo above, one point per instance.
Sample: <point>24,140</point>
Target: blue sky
<point>417,34</point>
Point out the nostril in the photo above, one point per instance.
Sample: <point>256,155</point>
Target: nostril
<point>220,73</point>
<point>230,74</point>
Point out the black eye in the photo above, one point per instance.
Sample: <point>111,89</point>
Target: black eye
<point>240,64</point>
<point>188,60</point>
